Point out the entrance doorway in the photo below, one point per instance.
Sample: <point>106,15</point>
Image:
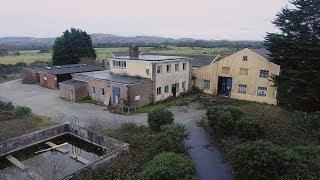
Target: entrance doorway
<point>224,86</point>
<point>174,90</point>
<point>37,78</point>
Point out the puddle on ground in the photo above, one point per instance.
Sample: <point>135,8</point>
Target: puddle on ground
<point>50,164</point>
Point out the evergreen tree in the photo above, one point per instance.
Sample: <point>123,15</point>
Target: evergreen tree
<point>72,46</point>
<point>297,49</point>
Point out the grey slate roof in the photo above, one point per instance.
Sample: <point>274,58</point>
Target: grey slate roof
<point>69,69</point>
<point>74,83</point>
<point>106,75</point>
<point>262,52</point>
<point>201,61</point>
<point>119,54</point>
<point>153,58</point>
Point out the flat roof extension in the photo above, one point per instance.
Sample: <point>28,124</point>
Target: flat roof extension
<point>107,76</point>
<point>68,69</point>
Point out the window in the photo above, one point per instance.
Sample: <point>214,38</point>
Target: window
<point>243,71</point>
<point>158,90</point>
<point>184,66</point>
<point>242,89</point>
<point>148,71</point>
<point>264,74</point>
<point>102,91</point>
<point>245,58</point>
<point>119,64</point>
<point>176,67</point>
<point>183,86</point>
<point>159,69</point>
<point>226,70</point>
<point>206,84</point>
<point>262,91</point>
<point>169,68</point>
<point>166,89</point>
<point>93,89</point>
<point>177,87</point>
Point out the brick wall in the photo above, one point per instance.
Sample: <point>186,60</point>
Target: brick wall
<point>144,90</point>
<point>30,77</point>
<point>81,92</point>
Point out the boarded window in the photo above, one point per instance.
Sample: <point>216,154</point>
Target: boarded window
<point>242,89</point>
<point>226,70</point>
<point>166,89</point>
<point>243,71</point>
<point>206,84</point>
<point>176,67</point>
<point>262,91</point>
<point>264,74</point>
<point>183,86</point>
<point>177,87</point>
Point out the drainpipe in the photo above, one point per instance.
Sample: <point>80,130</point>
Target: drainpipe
<point>154,65</point>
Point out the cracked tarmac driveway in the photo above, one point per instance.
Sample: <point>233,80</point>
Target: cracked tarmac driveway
<point>46,102</point>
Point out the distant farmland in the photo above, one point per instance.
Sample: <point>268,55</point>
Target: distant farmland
<point>35,55</point>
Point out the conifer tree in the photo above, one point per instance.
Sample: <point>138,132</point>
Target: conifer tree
<point>297,49</point>
<point>72,46</point>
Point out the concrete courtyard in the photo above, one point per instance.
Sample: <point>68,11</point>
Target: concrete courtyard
<point>47,102</point>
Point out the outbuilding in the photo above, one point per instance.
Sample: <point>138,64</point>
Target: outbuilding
<point>51,76</point>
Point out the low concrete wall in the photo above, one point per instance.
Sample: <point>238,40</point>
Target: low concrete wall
<point>24,141</point>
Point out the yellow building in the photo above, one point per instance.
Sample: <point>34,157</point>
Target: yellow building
<point>245,75</point>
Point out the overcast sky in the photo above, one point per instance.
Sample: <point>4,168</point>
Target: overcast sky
<point>203,19</point>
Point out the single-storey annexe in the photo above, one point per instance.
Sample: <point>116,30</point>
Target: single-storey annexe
<point>51,76</point>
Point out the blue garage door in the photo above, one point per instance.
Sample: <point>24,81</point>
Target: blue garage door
<point>116,94</point>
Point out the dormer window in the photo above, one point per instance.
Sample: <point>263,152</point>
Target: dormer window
<point>245,58</point>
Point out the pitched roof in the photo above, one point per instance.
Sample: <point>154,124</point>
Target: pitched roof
<point>68,69</point>
<point>106,75</point>
<point>201,61</point>
<point>262,52</point>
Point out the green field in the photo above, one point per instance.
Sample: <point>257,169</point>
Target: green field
<point>35,55</point>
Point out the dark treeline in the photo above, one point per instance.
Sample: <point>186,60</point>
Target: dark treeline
<point>180,43</point>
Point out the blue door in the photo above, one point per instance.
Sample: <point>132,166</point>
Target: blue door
<point>228,87</point>
<point>116,94</point>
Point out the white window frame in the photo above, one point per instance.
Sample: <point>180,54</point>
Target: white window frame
<point>119,64</point>
<point>168,68</point>
<point>102,91</point>
<point>206,84</point>
<point>242,89</point>
<point>159,91</point>
<point>262,91</point>
<point>93,89</point>
<point>166,89</point>
<point>159,67</point>
<point>184,66</point>
<point>264,74</point>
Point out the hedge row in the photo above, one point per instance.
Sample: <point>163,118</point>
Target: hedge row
<point>17,112</point>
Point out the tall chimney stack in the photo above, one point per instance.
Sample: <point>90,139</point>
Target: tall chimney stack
<point>134,52</point>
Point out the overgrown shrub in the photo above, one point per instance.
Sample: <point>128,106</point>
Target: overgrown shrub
<point>264,160</point>
<point>249,128</point>
<point>169,166</point>
<point>21,111</point>
<point>169,139</point>
<point>159,117</point>
<point>6,106</point>
<point>308,121</point>
<point>223,118</point>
